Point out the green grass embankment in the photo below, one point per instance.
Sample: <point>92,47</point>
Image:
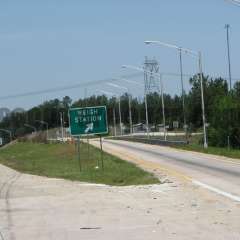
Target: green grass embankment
<point>61,161</point>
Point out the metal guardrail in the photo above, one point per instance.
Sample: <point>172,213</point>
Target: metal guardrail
<point>152,141</point>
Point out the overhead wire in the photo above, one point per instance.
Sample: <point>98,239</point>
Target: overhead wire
<point>84,85</point>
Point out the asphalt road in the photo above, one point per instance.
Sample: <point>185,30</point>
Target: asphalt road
<point>218,174</point>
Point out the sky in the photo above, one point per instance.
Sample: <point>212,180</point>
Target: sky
<point>54,43</point>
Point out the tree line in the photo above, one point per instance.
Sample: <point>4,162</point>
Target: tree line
<point>222,111</point>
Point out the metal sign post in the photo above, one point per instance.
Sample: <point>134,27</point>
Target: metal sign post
<point>88,148</point>
<point>79,156</point>
<point>101,146</point>
<point>88,121</point>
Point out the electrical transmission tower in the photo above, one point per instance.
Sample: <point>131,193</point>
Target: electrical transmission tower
<point>151,82</point>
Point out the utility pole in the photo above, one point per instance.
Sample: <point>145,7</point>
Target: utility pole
<point>227,26</point>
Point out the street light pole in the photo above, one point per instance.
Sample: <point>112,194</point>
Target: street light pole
<point>114,122</point>
<point>163,107</point>
<point>181,74</point>
<point>135,83</point>
<point>227,26</point>
<point>145,95</point>
<point>183,93</point>
<point>198,55</point>
<point>120,114</point>
<point>202,98</point>
<point>119,107</point>
<point>130,112</point>
<point>129,102</point>
<point>162,99</point>
<point>146,103</point>
<point>146,111</point>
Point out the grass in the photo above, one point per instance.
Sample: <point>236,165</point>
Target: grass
<point>231,153</point>
<point>61,161</point>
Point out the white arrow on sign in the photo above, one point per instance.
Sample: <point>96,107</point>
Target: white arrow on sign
<point>89,128</point>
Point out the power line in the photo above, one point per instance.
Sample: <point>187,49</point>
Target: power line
<point>88,84</point>
<point>64,88</point>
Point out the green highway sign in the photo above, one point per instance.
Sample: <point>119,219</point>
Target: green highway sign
<point>89,120</point>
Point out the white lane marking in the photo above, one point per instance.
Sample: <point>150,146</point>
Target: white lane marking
<point>216,190</point>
